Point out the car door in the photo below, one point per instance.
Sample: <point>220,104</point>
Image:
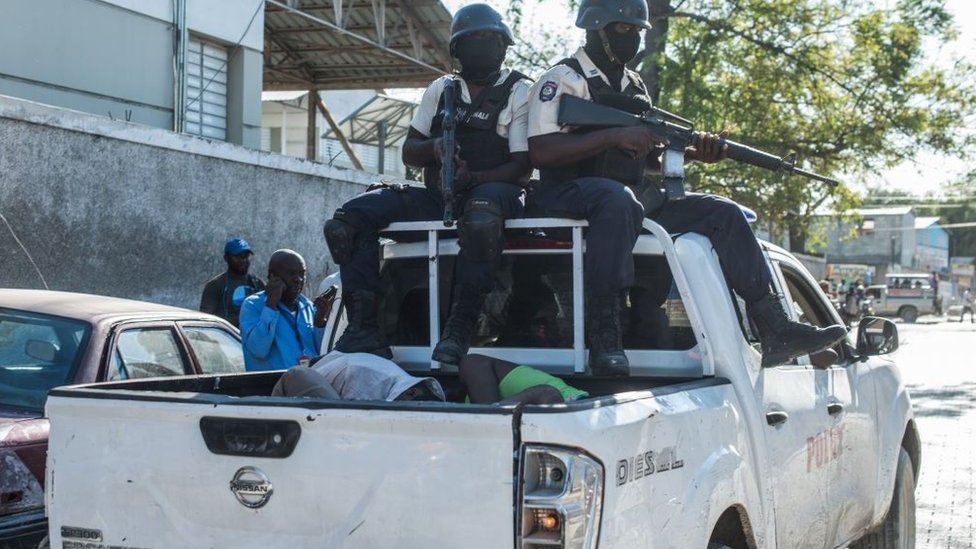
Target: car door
<point>851,441</point>
<point>145,349</point>
<point>794,401</point>
<point>213,348</point>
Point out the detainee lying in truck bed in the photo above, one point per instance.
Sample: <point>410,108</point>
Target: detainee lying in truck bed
<point>365,376</point>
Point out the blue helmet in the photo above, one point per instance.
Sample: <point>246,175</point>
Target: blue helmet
<point>479,17</point>
<point>597,14</point>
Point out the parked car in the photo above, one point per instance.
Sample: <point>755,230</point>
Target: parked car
<point>59,338</point>
<point>699,447</point>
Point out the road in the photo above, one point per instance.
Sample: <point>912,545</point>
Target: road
<point>938,363</point>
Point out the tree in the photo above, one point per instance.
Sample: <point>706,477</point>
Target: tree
<point>842,83</point>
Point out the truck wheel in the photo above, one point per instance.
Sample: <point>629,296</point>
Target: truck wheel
<point>898,529</point>
<point>908,314</point>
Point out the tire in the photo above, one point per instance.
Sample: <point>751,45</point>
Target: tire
<point>908,314</point>
<point>898,529</point>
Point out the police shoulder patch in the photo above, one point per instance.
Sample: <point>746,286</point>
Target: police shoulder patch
<point>548,91</point>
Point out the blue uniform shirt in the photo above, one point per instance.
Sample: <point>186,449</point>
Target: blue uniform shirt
<point>274,339</point>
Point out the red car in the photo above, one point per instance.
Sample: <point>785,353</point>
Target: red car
<point>49,339</point>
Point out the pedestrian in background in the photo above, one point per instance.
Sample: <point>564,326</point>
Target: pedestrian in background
<point>279,326</point>
<point>224,294</point>
<point>967,305</point>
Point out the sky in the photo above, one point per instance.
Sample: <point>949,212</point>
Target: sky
<point>925,174</point>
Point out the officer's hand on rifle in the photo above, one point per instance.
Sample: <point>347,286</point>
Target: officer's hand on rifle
<point>636,140</point>
<point>708,147</point>
<point>464,179</point>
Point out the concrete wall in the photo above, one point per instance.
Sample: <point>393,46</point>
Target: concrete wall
<point>121,209</point>
<point>115,58</point>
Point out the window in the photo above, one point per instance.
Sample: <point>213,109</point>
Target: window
<point>206,90</point>
<point>37,353</point>
<point>809,308</point>
<point>217,351</point>
<point>146,352</point>
<point>867,227</point>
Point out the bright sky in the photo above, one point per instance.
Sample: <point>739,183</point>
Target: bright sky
<point>925,174</point>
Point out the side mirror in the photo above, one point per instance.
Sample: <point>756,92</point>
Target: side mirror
<point>876,336</point>
<point>41,350</point>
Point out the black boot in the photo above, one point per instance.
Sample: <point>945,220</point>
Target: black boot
<point>604,336</point>
<point>782,339</point>
<point>362,335</point>
<point>456,335</point>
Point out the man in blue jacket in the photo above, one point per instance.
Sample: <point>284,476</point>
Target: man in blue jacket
<point>280,326</point>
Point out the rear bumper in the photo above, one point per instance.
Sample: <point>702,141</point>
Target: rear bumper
<point>23,530</point>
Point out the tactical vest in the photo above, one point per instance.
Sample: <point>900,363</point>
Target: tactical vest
<point>481,146</point>
<point>613,163</point>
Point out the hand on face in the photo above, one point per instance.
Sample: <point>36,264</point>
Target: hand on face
<point>274,290</point>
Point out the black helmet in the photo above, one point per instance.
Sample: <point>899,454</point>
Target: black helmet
<point>480,17</point>
<point>597,14</point>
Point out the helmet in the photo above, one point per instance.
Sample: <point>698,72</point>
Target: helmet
<point>480,17</point>
<point>597,14</point>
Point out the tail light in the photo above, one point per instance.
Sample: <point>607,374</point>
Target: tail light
<point>560,498</point>
<point>19,490</point>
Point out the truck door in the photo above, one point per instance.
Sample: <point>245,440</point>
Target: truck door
<point>852,439</point>
<point>794,400</point>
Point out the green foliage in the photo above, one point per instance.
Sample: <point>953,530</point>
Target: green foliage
<point>843,83</point>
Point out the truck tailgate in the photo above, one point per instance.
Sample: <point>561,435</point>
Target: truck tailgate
<point>140,474</point>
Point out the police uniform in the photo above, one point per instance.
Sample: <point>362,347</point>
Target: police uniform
<point>587,190</point>
<point>614,215</point>
<point>489,128</point>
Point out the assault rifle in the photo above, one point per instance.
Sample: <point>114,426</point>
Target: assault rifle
<point>449,148</point>
<point>677,133</point>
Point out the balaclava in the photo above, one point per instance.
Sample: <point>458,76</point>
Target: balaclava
<point>481,58</point>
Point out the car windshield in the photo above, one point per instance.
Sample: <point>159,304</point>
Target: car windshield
<point>37,352</point>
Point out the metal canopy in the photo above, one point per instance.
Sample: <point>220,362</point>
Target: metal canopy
<point>381,119</point>
<point>354,44</point>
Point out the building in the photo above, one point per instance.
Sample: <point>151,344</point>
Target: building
<point>962,272</point>
<point>192,66</point>
<point>931,246</point>
<point>886,240</point>
<point>373,124</point>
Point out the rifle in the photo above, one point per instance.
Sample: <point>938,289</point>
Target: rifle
<point>677,133</point>
<point>449,146</point>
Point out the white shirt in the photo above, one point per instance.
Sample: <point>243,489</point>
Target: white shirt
<point>365,376</point>
<point>512,122</point>
<point>557,81</point>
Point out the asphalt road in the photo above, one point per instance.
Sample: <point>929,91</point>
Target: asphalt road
<point>938,363</point>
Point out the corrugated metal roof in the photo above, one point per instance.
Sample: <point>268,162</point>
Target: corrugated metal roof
<point>897,210</point>
<point>924,222</point>
<point>354,44</point>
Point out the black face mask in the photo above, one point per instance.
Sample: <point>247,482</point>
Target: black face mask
<point>481,58</point>
<point>623,47</point>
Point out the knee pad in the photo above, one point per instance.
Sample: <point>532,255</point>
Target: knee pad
<point>340,237</point>
<point>481,230</point>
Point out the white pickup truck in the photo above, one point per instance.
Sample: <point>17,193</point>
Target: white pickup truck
<point>699,448</point>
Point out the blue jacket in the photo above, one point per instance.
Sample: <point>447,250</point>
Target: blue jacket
<point>274,339</point>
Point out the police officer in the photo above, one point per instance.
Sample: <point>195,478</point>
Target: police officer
<point>590,175</point>
<point>492,167</point>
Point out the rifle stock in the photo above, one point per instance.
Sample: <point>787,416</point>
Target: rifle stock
<point>576,111</point>
<point>449,144</point>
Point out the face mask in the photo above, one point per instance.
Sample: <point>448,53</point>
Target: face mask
<point>481,58</point>
<point>608,48</point>
<point>623,46</point>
